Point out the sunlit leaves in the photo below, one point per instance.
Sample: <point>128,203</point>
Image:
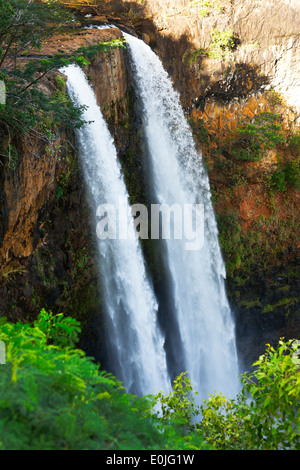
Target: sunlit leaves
<point>265,414</point>
<point>179,404</point>
<point>54,397</point>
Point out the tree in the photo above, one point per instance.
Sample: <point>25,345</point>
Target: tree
<point>265,414</point>
<point>24,26</point>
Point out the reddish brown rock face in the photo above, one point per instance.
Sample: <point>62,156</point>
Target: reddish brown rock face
<point>34,180</point>
<point>26,189</point>
<point>46,244</point>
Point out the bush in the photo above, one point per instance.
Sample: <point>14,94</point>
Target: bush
<point>179,404</point>
<point>54,397</point>
<point>252,139</point>
<point>206,7</point>
<point>265,414</point>
<point>278,180</point>
<point>295,141</point>
<point>286,174</point>
<point>222,43</point>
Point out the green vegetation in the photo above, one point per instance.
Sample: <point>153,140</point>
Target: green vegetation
<point>286,174</point>
<point>206,7</point>
<point>250,140</point>
<point>265,414</point>
<point>199,131</point>
<point>24,27</point>
<point>54,397</point>
<point>220,48</point>
<point>295,141</point>
<point>285,302</point>
<point>230,240</point>
<point>275,98</point>
<point>263,244</point>
<point>222,44</point>
<point>179,404</point>
<point>192,58</point>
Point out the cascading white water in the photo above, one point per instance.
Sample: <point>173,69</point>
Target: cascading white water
<point>178,177</point>
<point>136,343</point>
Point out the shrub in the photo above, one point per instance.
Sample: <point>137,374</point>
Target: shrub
<point>278,180</point>
<point>222,43</point>
<point>252,139</point>
<point>206,7</point>
<point>265,414</point>
<point>199,130</point>
<point>179,404</point>
<point>53,397</point>
<point>292,173</point>
<point>295,141</point>
<point>286,174</point>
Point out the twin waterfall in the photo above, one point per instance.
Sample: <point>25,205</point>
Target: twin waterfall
<point>205,329</point>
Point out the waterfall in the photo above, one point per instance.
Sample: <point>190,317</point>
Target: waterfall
<point>207,330</point>
<point>135,342</point>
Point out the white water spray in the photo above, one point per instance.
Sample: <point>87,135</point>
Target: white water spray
<point>136,343</point>
<point>178,177</point>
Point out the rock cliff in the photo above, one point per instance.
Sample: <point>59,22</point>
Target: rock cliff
<point>47,245</point>
<point>236,67</point>
<point>227,80</point>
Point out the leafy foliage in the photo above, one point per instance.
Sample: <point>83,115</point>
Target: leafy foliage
<point>24,26</point>
<point>220,48</point>
<point>252,139</point>
<point>288,173</point>
<point>265,414</point>
<point>179,404</point>
<point>295,141</point>
<point>54,397</point>
<point>222,43</point>
<point>206,7</point>
<point>221,424</point>
<point>62,331</point>
<point>200,131</point>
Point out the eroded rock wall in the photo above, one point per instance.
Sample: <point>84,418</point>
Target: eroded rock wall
<point>267,33</point>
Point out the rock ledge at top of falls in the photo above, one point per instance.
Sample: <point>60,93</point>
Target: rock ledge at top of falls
<point>268,34</point>
<point>83,37</point>
<point>33,184</point>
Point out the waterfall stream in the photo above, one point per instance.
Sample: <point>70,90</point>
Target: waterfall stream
<point>135,343</point>
<point>206,331</point>
<point>178,178</point>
